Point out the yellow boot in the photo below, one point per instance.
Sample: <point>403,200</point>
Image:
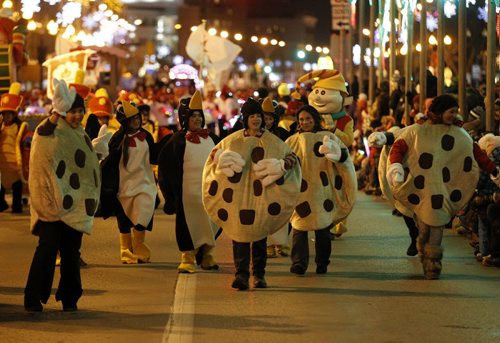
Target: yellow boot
<point>140,249</point>
<point>126,254</point>
<point>187,262</point>
<point>208,260</point>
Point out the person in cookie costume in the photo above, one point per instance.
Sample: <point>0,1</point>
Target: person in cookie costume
<point>385,140</point>
<point>441,163</point>
<point>180,166</point>
<point>129,187</point>
<point>327,192</point>
<point>64,183</point>
<point>12,132</point>
<point>251,181</point>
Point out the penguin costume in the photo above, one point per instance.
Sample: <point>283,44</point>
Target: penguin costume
<point>180,171</point>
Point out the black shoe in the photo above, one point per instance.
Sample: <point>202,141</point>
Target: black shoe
<point>321,269</point>
<point>259,282</point>
<point>17,209</point>
<point>70,307</point>
<point>33,306</point>
<point>240,283</point>
<point>296,269</point>
<point>412,250</point>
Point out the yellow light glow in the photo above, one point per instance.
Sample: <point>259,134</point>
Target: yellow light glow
<point>114,17</point>
<point>318,49</point>
<point>326,50</point>
<point>7,4</point>
<point>325,62</point>
<point>254,39</point>
<point>108,13</point>
<point>281,43</point>
<point>177,26</point>
<point>224,34</point>
<point>308,47</point>
<point>404,50</point>
<point>103,7</point>
<point>27,15</point>
<point>212,31</point>
<point>274,41</point>
<point>137,22</point>
<point>433,40</point>
<point>193,28</point>
<point>264,41</point>
<point>366,32</point>
<point>238,36</point>
<point>418,47</point>
<point>447,40</point>
<point>31,25</point>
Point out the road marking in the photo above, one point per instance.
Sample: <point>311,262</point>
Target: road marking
<point>180,325</point>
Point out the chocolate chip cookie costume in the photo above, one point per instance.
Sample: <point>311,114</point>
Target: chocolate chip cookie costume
<point>240,204</point>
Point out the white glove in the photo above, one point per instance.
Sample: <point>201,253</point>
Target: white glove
<point>63,97</point>
<point>269,170</point>
<point>377,140</point>
<point>229,162</point>
<point>395,174</point>
<point>330,149</point>
<point>100,143</point>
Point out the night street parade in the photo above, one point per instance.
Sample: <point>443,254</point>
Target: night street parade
<point>249,171</point>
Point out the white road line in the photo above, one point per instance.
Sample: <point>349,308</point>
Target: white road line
<point>179,328</point>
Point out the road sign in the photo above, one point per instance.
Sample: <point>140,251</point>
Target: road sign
<point>341,14</point>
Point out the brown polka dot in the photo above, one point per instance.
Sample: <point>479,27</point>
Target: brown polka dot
<point>413,199</point>
<point>446,174</point>
<point>61,168</point>
<point>447,142</point>
<point>257,188</point>
<point>419,182</point>
<point>227,195</point>
<point>74,181</point>
<point>324,178</point>
<point>328,205</point>
<point>212,190</point>
<point>274,209</point>
<point>316,149</point>
<point>80,158</point>
<point>247,217</point>
<point>338,182</point>
<point>425,160</point>
<point>303,210</point>
<point>280,181</point>
<point>89,143</point>
<point>235,178</point>
<point>222,214</point>
<point>467,164</point>
<point>456,195</point>
<point>437,201</point>
<point>257,154</point>
<point>90,206</point>
<point>67,202</point>
<point>303,186</point>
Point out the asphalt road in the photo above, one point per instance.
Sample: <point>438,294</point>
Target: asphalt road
<point>372,292</point>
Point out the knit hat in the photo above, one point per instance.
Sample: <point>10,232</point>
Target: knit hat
<point>81,89</point>
<point>327,78</point>
<point>100,104</point>
<point>283,90</point>
<point>442,103</point>
<point>194,106</point>
<point>11,101</point>
<point>477,112</point>
<point>251,107</point>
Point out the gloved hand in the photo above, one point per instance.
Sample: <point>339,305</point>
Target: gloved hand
<point>63,97</point>
<point>228,162</point>
<point>269,170</point>
<point>100,143</point>
<point>395,174</point>
<point>377,140</point>
<point>330,149</point>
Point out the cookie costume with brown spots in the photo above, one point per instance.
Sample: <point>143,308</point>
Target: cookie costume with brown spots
<point>64,178</point>
<point>240,204</point>
<point>437,184</point>
<point>328,190</point>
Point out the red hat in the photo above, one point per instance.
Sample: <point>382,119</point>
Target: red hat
<point>11,101</point>
<point>80,88</point>
<point>100,104</point>
<point>292,107</point>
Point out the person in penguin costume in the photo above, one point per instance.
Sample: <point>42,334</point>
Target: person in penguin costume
<point>129,187</point>
<point>329,96</point>
<point>64,183</point>
<point>433,172</point>
<point>251,182</point>
<point>180,171</point>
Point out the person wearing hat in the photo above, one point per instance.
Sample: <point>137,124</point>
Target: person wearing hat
<point>442,172</point>
<point>129,187</point>
<point>284,94</point>
<point>12,133</point>
<point>327,193</point>
<point>180,171</point>
<point>288,121</point>
<point>64,182</point>
<point>251,181</point>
